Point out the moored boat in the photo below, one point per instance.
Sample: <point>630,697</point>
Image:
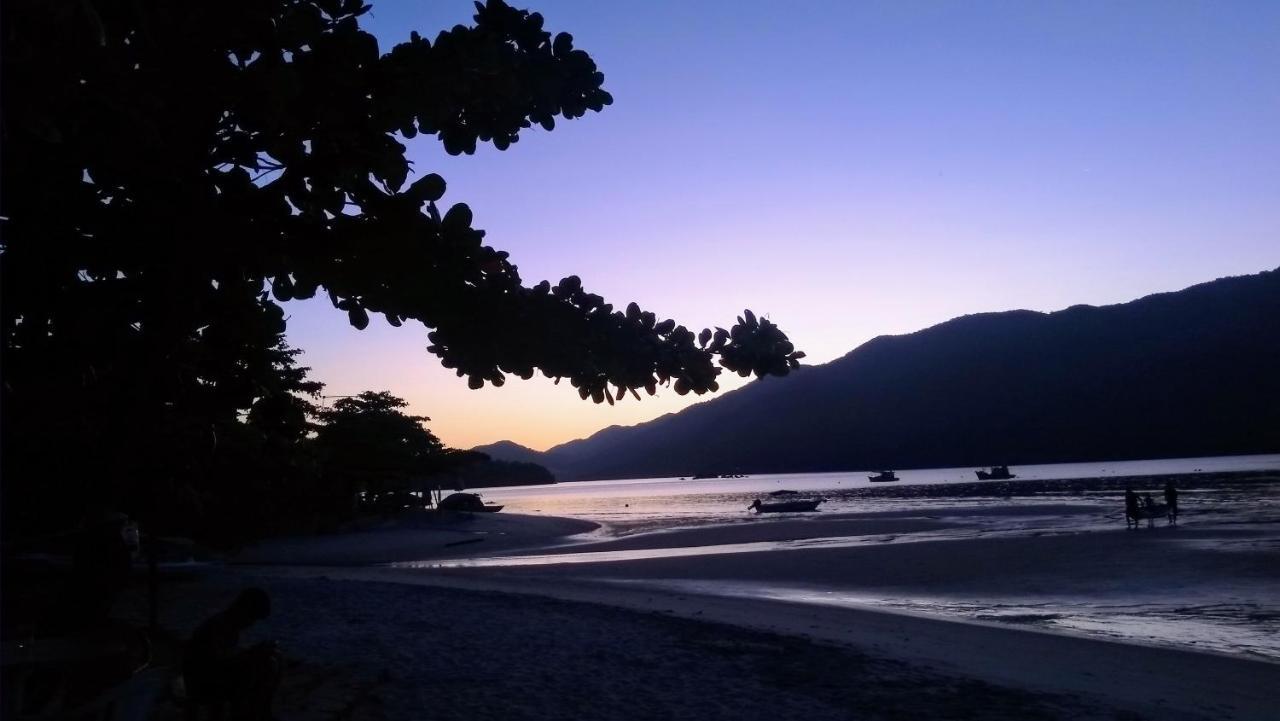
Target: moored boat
<point>785,506</point>
<point>883,477</point>
<point>997,473</point>
<point>467,502</point>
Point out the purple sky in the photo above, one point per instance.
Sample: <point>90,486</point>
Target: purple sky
<point>852,169</point>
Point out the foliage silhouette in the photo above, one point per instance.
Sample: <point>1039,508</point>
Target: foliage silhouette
<point>368,444</point>
<point>166,163</point>
<point>166,152</point>
<point>479,470</point>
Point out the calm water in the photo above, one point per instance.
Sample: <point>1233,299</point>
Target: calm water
<point>630,506</point>
<point>1242,515</point>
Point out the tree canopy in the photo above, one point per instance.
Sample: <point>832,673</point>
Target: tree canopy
<point>159,155</point>
<point>173,171</point>
<point>373,444</point>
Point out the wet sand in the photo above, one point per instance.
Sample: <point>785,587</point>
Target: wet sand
<point>416,536</point>
<point>935,560</point>
<point>814,586</point>
<point>767,530</point>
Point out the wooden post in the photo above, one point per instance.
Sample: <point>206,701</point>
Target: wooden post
<point>153,585</point>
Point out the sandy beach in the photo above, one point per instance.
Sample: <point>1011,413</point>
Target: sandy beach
<point>967,611</point>
<point>923,556</point>
<point>1106,678</point>
<point>417,536</point>
<point>371,650</point>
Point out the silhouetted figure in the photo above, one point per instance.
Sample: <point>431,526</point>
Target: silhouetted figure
<point>1149,509</point>
<point>1130,508</point>
<point>219,675</point>
<point>102,562</point>
<point>1171,498</point>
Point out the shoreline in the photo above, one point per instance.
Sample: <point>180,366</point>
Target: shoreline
<point>426,535</point>
<point>834,580</point>
<point>416,536</point>
<point>1058,567</point>
<point>1125,674</point>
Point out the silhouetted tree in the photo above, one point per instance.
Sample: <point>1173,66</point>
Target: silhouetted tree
<point>234,430</point>
<point>484,472</point>
<point>164,162</point>
<point>368,444</point>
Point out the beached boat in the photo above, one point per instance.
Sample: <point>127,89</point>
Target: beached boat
<point>997,473</point>
<point>883,477</point>
<point>785,506</point>
<point>467,502</point>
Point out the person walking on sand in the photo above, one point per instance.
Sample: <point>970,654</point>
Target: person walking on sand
<point>1171,498</point>
<point>1130,508</point>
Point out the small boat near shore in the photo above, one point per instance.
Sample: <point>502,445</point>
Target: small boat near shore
<point>997,473</point>
<point>884,477</point>
<point>798,506</point>
<point>467,502</point>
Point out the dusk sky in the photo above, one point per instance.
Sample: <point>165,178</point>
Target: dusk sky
<point>851,169</point>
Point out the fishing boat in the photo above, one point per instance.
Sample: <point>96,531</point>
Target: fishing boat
<point>883,477</point>
<point>785,506</point>
<point>997,473</point>
<point>467,502</point>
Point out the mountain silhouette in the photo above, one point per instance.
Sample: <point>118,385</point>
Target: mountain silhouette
<point>511,451</point>
<point>1189,373</point>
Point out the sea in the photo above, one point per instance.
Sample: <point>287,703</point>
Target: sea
<point>648,504</point>
<point>1232,501</point>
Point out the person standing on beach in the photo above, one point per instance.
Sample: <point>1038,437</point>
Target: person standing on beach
<point>1171,498</point>
<point>1130,508</point>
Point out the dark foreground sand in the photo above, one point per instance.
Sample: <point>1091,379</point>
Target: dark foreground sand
<point>368,650</point>
<point>1129,680</point>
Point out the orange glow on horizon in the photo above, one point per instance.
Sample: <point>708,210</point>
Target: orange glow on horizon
<point>536,413</point>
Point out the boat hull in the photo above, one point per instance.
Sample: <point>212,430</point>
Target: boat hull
<point>788,507</point>
<point>467,502</point>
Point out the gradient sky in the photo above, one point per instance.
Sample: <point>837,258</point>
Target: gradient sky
<point>852,169</point>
